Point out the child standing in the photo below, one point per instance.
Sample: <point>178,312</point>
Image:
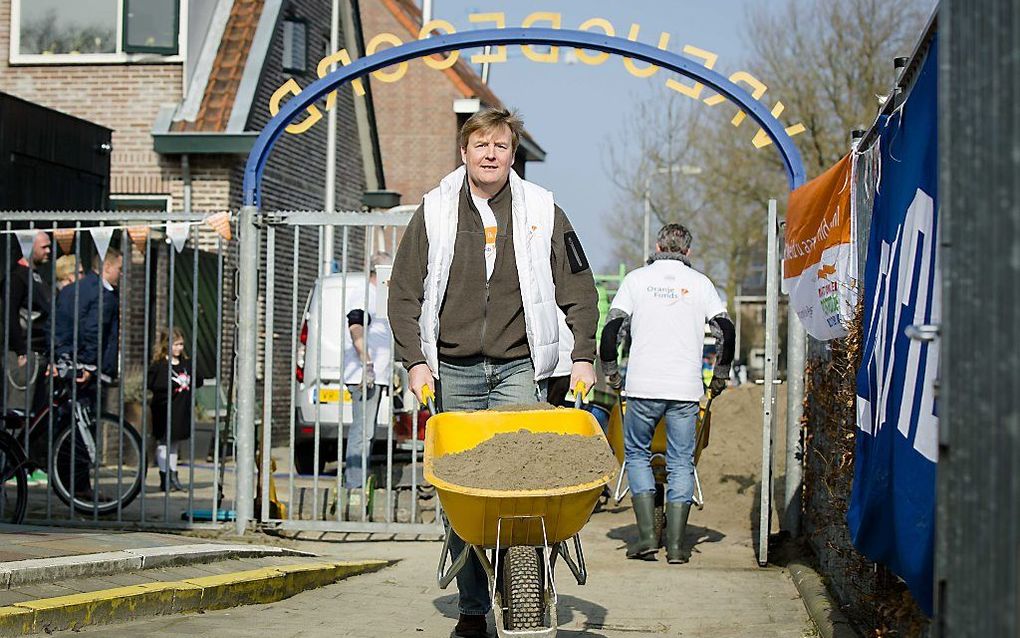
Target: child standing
<point>171,382</point>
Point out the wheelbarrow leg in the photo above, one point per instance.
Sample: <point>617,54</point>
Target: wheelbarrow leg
<point>445,578</point>
<point>699,498</point>
<point>621,490</point>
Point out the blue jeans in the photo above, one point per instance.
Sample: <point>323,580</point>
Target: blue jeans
<point>638,428</point>
<point>362,431</point>
<point>479,385</point>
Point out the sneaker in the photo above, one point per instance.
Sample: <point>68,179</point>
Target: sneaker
<point>38,477</point>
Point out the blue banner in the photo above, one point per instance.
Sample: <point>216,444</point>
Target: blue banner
<point>892,505</point>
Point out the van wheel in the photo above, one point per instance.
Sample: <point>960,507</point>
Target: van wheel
<point>304,458</point>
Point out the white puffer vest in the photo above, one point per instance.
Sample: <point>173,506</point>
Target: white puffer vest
<point>532,212</point>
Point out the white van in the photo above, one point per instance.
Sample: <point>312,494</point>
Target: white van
<point>320,394</point>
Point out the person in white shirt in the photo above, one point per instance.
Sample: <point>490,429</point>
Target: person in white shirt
<point>667,303</point>
<point>368,347</point>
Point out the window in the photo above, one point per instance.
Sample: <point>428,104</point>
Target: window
<point>93,31</point>
<point>140,203</point>
<point>150,26</point>
<point>295,49</point>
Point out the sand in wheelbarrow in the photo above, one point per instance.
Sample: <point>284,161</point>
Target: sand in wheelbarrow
<point>525,460</point>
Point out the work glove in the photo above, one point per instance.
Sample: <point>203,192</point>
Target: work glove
<point>369,374</point>
<point>720,381</point>
<point>613,378</point>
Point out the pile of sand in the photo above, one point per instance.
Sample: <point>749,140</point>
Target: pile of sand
<point>525,460</point>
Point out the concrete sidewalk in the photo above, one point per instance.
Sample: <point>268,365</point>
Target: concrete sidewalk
<point>56,579</point>
<point>23,542</point>
<point>721,593</point>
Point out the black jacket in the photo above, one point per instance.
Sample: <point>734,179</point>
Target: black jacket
<point>16,304</point>
<point>89,325</point>
<point>179,388</point>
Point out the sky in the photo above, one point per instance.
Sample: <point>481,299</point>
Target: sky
<point>576,111</point>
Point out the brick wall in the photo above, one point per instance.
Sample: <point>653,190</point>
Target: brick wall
<point>127,97</point>
<point>124,98</point>
<point>417,125</point>
<point>295,179</point>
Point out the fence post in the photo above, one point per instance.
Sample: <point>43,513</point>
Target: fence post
<point>247,339</point>
<point>796,346</point>
<point>769,400</point>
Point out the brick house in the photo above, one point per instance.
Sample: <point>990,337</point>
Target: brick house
<point>184,86</point>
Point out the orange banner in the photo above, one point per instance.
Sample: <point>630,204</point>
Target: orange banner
<point>817,218</point>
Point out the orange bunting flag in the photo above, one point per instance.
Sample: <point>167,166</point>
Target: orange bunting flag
<point>139,235</point>
<point>65,239</point>
<point>220,222</point>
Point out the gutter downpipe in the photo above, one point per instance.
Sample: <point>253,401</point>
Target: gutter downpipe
<point>379,183</point>
<point>186,178</point>
<point>327,251</point>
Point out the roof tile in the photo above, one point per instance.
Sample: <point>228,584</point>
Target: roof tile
<point>227,69</point>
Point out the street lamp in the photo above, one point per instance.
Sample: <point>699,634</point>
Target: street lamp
<point>684,169</point>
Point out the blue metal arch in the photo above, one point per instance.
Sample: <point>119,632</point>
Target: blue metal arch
<point>554,37</point>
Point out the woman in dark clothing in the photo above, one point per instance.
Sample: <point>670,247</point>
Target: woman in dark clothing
<point>171,382</point>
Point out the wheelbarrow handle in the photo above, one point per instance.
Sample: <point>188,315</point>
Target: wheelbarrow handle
<point>579,391</point>
<point>429,398</point>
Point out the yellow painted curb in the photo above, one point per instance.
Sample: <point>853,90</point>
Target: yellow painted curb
<point>16,621</point>
<point>256,586</point>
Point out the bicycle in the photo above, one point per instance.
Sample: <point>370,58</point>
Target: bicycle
<point>94,466</point>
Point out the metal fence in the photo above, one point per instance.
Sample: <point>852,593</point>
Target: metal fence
<point>329,465</point>
<point>89,303</point>
<point>872,596</point>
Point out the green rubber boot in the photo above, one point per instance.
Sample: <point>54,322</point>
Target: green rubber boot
<point>676,526</point>
<point>644,511</point>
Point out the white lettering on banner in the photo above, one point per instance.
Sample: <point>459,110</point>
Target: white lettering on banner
<point>805,247</point>
<point>915,247</point>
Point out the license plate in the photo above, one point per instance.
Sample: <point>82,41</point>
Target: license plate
<point>332,395</point>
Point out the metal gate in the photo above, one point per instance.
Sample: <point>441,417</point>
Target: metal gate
<point>99,440</point>
<point>324,463</point>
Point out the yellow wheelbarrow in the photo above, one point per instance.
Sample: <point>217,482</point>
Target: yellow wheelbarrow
<point>524,531</point>
<point>614,433</point>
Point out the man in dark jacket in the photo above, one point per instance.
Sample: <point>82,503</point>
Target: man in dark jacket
<point>27,300</point>
<point>483,266</point>
<point>82,334</point>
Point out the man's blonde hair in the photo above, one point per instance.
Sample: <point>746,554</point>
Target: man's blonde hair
<point>490,119</point>
<point>66,267</point>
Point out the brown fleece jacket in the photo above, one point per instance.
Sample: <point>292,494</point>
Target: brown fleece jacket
<point>474,321</point>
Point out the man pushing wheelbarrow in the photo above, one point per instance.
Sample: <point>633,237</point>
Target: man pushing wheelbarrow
<point>482,268</point>
<point>668,304</point>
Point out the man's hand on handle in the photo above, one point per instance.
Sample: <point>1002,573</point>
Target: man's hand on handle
<point>420,376</point>
<point>613,378</point>
<point>718,384</point>
<point>582,372</point>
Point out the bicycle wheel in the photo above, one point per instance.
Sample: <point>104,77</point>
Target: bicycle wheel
<point>13,482</point>
<point>106,468</point>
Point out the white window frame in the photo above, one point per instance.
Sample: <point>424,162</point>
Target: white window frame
<point>17,58</point>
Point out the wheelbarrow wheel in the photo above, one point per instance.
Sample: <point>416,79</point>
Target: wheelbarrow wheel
<point>659,523</point>
<point>659,520</point>
<point>522,585</point>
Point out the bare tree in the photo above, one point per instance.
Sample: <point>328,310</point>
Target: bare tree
<point>830,61</point>
<point>827,61</point>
